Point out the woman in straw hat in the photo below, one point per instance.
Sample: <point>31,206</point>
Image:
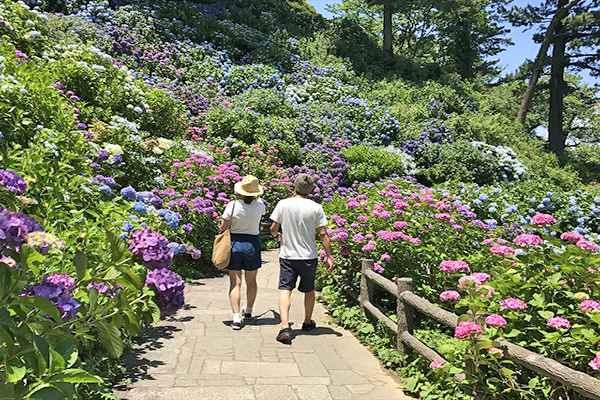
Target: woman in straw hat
<point>243,216</point>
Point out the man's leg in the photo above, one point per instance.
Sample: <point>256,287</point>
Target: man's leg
<point>284,307</point>
<point>309,306</point>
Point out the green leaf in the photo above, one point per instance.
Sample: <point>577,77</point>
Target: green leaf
<point>7,391</point>
<point>80,262</point>
<point>110,337</point>
<point>42,353</point>
<point>57,362</point>
<point>506,371</point>
<point>76,375</point>
<point>68,351</point>
<point>93,298</point>
<point>41,304</point>
<point>47,393</point>
<point>546,314</point>
<point>15,374</point>
<point>513,333</point>
<point>111,274</point>
<point>117,246</point>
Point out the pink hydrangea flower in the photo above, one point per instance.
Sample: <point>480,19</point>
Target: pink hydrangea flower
<point>400,224</point>
<point>362,218</point>
<point>526,239</point>
<point>586,245</point>
<point>589,306</point>
<point>378,268</point>
<point>385,257</point>
<point>444,217</point>
<point>543,219</point>
<point>495,351</point>
<point>369,246</point>
<point>573,237</point>
<point>495,320</point>
<point>466,329</point>
<point>503,250</point>
<point>436,364</point>
<point>513,303</point>
<point>448,295</point>
<point>449,266</point>
<point>558,322</point>
<point>488,241</point>
<point>595,363</point>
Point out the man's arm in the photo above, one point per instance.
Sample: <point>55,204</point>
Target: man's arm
<point>275,231</point>
<point>327,247</point>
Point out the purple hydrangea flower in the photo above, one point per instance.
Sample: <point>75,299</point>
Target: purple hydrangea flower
<point>103,155</point>
<point>13,182</point>
<point>169,287</point>
<point>14,226</point>
<point>188,228</point>
<point>58,295</point>
<point>103,288</point>
<point>152,248</point>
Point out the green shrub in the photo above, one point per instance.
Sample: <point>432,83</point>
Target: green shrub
<point>469,162</point>
<point>368,164</point>
<point>585,159</point>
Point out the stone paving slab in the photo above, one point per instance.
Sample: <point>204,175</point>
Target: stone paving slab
<point>196,354</point>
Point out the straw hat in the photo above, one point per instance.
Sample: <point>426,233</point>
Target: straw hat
<point>249,186</point>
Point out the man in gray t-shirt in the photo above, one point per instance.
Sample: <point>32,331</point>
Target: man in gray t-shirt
<point>300,219</point>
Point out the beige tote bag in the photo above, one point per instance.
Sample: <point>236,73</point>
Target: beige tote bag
<point>221,254</point>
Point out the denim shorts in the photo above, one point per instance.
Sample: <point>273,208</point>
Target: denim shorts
<point>290,270</point>
<point>245,252</point>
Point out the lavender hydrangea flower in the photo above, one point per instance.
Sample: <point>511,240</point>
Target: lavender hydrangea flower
<point>14,226</point>
<point>13,182</point>
<point>103,288</point>
<point>152,248</point>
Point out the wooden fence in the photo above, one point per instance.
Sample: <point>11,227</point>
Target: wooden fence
<point>407,303</point>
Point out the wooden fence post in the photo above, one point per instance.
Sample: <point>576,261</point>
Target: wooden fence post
<point>366,286</point>
<point>405,314</point>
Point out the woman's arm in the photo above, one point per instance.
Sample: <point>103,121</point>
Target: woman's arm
<point>225,224</point>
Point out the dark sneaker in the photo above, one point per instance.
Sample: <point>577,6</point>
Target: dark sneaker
<point>309,327</point>
<point>246,315</point>
<point>236,326</point>
<point>284,335</point>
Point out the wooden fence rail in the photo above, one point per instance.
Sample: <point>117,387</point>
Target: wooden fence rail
<point>407,303</point>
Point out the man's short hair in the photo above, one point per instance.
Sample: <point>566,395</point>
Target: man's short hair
<point>304,184</point>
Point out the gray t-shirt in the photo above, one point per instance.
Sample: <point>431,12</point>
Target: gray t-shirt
<point>299,219</point>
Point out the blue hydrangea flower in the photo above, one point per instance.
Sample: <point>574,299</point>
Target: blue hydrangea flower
<point>492,209</point>
<point>128,192</point>
<point>533,200</point>
<point>162,212</point>
<point>549,194</point>
<point>139,207</point>
<point>105,189</point>
<point>182,248</point>
<point>477,202</point>
<point>483,197</point>
<point>174,247</point>
<point>145,197</point>
<point>173,223</point>
<point>127,227</point>
<point>596,199</point>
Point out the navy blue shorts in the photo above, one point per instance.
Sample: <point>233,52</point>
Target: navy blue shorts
<point>245,252</point>
<point>290,270</point>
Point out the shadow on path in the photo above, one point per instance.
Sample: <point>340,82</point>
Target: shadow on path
<point>138,366</point>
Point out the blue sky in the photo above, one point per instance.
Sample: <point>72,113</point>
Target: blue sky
<point>510,59</point>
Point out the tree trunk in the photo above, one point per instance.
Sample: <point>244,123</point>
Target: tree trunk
<point>387,27</point>
<point>538,64</point>
<point>556,140</point>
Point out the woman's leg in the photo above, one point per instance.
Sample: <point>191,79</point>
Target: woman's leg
<point>235,287</point>
<point>251,287</point>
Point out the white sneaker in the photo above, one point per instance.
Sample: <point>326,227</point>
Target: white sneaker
<point>245,314</point>
<point>236,325</point>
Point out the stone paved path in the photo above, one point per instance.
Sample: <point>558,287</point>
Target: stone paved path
<point>196,355</point>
